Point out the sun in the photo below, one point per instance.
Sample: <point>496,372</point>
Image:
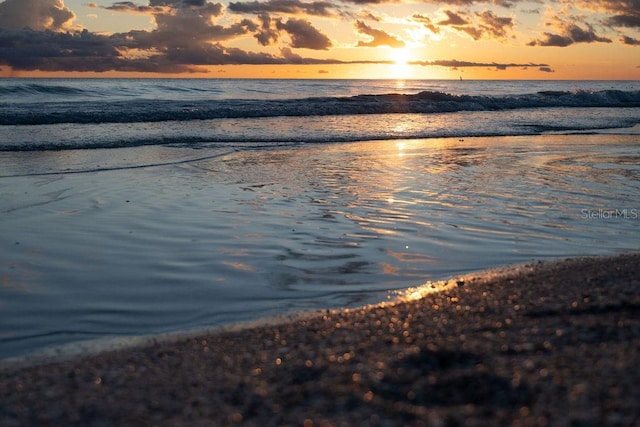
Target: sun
<point>401,56</point>
<point>401,67</point>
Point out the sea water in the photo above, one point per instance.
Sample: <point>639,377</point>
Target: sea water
<point>132,207</point>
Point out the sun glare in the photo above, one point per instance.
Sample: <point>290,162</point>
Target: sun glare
<point>401,68</point>
<point>401,56</point>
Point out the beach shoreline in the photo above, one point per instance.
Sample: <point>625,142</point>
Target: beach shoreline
<point>204,240</point>
<point>550,343</point>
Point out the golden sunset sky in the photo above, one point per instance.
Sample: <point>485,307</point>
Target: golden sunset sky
<point>399,39</point>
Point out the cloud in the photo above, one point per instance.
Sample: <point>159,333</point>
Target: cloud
<point>378,37</point>
<point>292,7</point>
<point>475,33</point>
<point>53,51</point>
<point>501,3</point>
<point>183,24</point>
<point>552,40</point>
<point>131,7</point>
<point>177,4</point>
<point>630,41</point>
<point>546,70</point>
<point>490,25</point>
<point>495,25</point>
<point>185,39</point>
<point>188,35</point>
<point>189,25</point>
<point>304,35</point>
<point>84,51</point>
<point>426,22</point>
<point>454,63</point>
<point>36,14</point>
<point>571,33</point>
<point>454,19</point>
<point>367,2</point>
<point>216,54</point>
<point>183,32</point>
<point>266,35</point>
<point>624,13</point>
<point>367,14</point>
<point>629,21</point>
<point>578,35</point>
<point>291,56</point>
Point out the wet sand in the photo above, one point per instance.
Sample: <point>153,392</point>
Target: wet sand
<point>554,343</point>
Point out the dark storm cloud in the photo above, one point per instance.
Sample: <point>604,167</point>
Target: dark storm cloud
<point>292,7</point>
<point>378,37</point>
<point>570,34</point>
<point>35,14</point>
<point>304,35</point>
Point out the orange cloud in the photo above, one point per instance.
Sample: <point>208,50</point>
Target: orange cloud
<point>378,37</point>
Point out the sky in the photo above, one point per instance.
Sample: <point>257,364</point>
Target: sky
<point>398,39</point>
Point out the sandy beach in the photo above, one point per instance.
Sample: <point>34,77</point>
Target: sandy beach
<point>552,343</point>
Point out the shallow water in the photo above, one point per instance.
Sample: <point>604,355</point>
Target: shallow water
<point>56,114</point>
<point>152,239</point>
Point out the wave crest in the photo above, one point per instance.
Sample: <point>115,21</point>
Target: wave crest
<point>425,102</point>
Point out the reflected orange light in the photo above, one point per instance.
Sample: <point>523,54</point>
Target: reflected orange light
<point>414,294</point>
<point>239,266</point>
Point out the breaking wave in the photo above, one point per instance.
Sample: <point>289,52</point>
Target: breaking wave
<point>138,110</point>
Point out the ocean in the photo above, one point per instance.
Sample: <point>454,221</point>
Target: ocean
<point>144,206</point>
